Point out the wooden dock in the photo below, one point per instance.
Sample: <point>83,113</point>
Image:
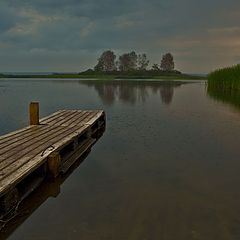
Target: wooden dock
<point>46,148</point>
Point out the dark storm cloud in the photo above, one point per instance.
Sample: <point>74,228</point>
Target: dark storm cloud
<point>78,30</point>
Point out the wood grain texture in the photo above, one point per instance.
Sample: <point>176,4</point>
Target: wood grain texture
<point>23,151</point>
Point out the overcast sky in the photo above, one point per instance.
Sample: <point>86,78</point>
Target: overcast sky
<point>69,35</point>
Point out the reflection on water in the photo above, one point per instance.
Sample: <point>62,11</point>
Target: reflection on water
<point>133,91</point>
<point>158,172</point>
<point>48,189</point>
<point>166,93</point>
<point>226,95</point>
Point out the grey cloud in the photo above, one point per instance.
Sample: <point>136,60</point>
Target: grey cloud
<point>53,28</point>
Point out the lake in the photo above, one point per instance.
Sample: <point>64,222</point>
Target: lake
<point>167,166</point>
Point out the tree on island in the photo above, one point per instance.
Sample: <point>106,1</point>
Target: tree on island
<point>127,62</point>
<point>132,63</point>
<point>106,62</point>
<point>167,63</point>
<point>142,62</point>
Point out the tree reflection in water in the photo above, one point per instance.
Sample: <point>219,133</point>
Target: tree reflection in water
<point>132,91</point>
<point>166,93</point>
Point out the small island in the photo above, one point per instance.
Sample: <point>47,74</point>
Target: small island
<point>127,66</point>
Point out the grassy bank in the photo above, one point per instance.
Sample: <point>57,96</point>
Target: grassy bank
<point>102,76</point>
<point>226,78</point>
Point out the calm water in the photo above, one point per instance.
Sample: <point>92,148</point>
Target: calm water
<point>166,168</point>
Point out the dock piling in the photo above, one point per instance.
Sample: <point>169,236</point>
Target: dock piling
<point>34,113</point>
<point>45,149</point>
<point>54,162</point>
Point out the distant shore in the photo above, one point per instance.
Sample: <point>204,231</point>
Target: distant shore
<point>101,76</point>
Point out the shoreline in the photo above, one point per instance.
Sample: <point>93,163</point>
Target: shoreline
<point>105,77</point>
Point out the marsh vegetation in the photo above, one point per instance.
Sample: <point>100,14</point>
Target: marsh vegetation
<point>224,85</point>
<point>225,79</point>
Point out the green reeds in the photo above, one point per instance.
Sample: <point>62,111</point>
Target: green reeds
<point>226,78</point>
<point>224,85</point>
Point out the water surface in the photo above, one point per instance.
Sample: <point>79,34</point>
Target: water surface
<point>166,168</point>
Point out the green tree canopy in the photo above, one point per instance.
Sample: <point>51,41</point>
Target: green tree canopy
<point>167,62</point>
<point>127,62</point>
<point>142,62</point>
<point>106,62</point>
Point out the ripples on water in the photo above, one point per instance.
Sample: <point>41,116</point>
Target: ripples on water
<point>166,168</point>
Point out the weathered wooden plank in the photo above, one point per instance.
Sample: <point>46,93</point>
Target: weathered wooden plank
<point>95,118</point>
<point>78,120</point>
<point>91,118</point>
<point>80,114</point>
<point>11,150</point>
<point>88,117</point>
<point>63,118</point>
<point>13,134</point>
<point>27,130</point>
<point>67,119</point>
<point>19,134</point>
<point>21,161</point>
<point>13,156</point>
<point>38,145</point>
<point>25,150</point>
<point>52,115</point>
<point>75,118</point>
<point>21,139</point>
<point>33,162</point>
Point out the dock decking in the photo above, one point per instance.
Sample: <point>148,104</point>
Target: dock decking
<point>50,148</point>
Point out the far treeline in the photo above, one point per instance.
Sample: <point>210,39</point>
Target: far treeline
<point>126,66</point>
<point>133,65</point>
<point>129,62</point>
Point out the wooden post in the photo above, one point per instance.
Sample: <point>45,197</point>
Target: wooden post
<point>54,161</point>
<point>34,113</point>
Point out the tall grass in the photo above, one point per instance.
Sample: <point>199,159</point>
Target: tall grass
<point>226,78</point>
<point>224,85</point>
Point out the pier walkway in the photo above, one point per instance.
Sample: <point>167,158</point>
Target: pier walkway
<point>47,148</point>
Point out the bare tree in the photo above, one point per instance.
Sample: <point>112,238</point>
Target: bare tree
<point>167,63</point>
<point>106,62</point>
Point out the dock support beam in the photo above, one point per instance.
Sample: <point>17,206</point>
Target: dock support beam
<point>34,113</point>
<point>54,161</point>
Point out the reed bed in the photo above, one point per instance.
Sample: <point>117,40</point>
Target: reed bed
<point>224,85</point>
<point>226,78</point>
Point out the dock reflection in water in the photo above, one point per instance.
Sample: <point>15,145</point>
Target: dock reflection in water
<point>48,189</point>
<point>160,171</point>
